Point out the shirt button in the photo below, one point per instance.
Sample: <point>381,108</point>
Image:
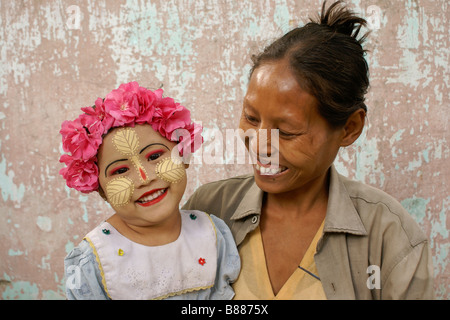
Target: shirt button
<point>255,219</point>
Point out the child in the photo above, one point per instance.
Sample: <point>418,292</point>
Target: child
<point>128,147</point>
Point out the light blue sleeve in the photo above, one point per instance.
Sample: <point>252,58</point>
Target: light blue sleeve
<point>228,262</point>
<point>82,274</point>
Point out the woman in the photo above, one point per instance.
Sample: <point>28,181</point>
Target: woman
<point>303,230</point>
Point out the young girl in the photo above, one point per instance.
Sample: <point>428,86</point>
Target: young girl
<point>128,147</point>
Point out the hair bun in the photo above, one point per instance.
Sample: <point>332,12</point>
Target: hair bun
<point>342,20</point>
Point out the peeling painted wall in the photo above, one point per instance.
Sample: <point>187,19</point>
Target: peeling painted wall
<point>58,56</point>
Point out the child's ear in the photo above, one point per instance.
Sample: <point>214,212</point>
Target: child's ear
<point>186,159</point>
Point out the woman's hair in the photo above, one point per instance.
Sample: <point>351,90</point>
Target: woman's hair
<point>328,60</point>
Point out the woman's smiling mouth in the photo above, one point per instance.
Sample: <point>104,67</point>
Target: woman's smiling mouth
<point>269,171</point>
<point>152,197</point>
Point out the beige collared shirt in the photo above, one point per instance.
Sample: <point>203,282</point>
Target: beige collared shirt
<point>371,248</point>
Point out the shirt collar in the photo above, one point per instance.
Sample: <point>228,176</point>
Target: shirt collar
<point>250,204</point>
<point>341,213</point>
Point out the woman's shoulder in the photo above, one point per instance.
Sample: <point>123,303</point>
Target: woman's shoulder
<point>378,208</point>
<point>360,190</point>
<point>220,197</point>
<point>233,184</point>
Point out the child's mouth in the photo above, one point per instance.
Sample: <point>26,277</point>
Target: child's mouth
<point>152,197</point>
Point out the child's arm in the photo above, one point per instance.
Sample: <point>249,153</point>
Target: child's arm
<point>83,277</point>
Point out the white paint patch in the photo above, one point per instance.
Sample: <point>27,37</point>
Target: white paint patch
<point>44,223</point>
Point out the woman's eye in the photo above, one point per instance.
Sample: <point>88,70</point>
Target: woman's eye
<point>251,119</point>
<point>286,134</point>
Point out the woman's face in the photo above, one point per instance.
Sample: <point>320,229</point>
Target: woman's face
<point>307,144</point>
<point>128,159</point>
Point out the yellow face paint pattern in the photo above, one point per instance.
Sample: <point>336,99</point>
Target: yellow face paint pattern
<point>126,142</point>
<point>170,170</point>
<point>119,191</point>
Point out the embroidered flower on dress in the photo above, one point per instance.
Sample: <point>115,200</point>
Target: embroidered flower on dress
<point>126,106</point>
<point>201,261</point>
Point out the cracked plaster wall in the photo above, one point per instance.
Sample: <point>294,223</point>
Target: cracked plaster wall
<point>59,56</point>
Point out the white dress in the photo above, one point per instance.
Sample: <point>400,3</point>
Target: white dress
<point>201,264</point>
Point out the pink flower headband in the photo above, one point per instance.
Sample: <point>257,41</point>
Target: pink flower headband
<point>126,106</point>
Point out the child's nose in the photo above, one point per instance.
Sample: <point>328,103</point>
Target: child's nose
<point>141,173</point>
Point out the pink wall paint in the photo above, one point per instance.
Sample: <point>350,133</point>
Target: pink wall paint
<point>56,58</point>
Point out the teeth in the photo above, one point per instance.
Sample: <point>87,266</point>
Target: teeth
<point>269,171</point>
<point>152,196</point>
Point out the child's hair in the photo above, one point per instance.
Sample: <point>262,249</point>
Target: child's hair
<point>126,106</point>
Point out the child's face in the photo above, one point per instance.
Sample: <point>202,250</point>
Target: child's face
<point>127,161</point>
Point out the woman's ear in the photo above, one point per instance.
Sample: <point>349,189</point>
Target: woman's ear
<point>353,127</point>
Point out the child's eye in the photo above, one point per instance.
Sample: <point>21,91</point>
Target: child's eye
<point>119,170</point>
<point>154,156</point>
<point>151,156</point>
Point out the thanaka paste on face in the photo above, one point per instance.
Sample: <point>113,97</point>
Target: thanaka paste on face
<point>119,191</point>
<point>170,170</point>
<point>126,142</point>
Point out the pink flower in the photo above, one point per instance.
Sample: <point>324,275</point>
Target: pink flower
<point>170,115</point>
<point>146,99</point>
<point>132,87</point>
<point>82,137</point>
<point>98,111</point>
<point>122,105</point>
<point>79,174</point>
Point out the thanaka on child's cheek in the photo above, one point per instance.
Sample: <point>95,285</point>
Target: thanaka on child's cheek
<point>141,190</point>
<point>119,191</point>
